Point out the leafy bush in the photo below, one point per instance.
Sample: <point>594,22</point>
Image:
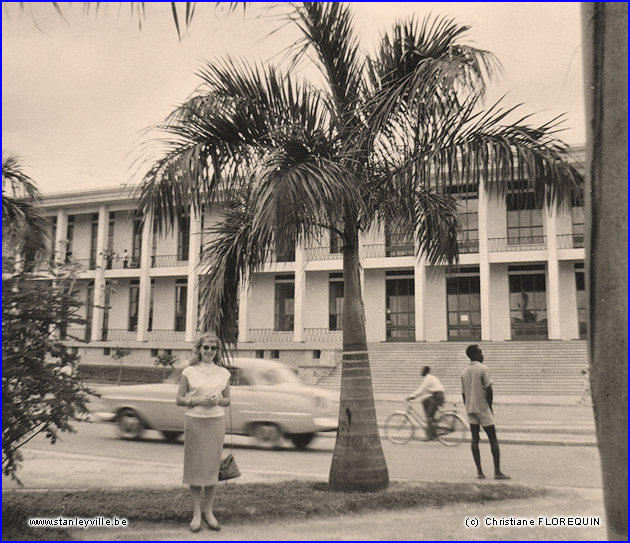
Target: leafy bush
<point>41,390</point>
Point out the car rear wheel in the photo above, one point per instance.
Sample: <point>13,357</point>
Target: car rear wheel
<point>130,426</point>
<point>301,441</point>
<point>267,434</point>
<point>171,436</point>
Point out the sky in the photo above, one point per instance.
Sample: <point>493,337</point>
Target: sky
<point>80,91</point>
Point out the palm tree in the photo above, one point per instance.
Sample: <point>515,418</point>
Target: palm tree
<point>382,141</point>
<point>24,227</point>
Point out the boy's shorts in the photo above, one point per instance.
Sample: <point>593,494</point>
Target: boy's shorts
<point>483,419</point>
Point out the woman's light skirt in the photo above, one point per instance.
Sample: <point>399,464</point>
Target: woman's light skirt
<point>203,447</point>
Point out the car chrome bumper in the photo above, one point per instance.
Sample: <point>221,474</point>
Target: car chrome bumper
<point>102,416</point>
<point>326,424</point>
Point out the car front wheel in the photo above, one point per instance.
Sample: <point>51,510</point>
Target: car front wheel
<point>301,440</point>
<point>267,434</point>
<point>130,426</point>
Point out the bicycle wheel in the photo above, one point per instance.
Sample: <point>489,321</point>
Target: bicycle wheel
<point>451,429</point>
<point>398,428</point>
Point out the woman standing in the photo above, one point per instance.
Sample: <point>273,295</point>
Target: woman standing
<point>205,390</point>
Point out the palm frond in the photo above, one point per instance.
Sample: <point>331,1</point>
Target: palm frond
<point>418,66</point>
<point>213,141</point>
<point>235,251</point>
<point>300,193</point>
<point>328,29</point>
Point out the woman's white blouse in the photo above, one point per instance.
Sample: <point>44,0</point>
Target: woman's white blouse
<point>205,380</point>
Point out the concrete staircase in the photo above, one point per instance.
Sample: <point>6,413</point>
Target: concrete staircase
<point>538,368</point>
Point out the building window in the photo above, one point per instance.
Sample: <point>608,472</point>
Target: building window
<point>524,220</point>
<point>53,253</point>
<point>528,303</point>
<point>400,311</point>
<point>463,304</point>
<point>106,307</point>
<point>275,353</point>
<point>154,352</point>
<point>154,243</point>
<point>93,240</point>
<point>317,354</point>
<point>110,240</point>
<point>183,239</point>
<point>136,249</point>
<point>134,297</point>
<point>468,216</point>
<point>286,255</point>
<point>107,351</point>
<point>89,311</point>
<point>284,306</point>
<point>577,226</point>
<point>397,242</point>
<point>70,238</point>
<point>260,353</point>
<point>582,306</point>
<point>181,293</point>
<point>151,298</point>
<point>335,304</point>
<point>336,243</point>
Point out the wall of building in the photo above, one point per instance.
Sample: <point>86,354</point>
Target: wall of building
<point>261,302</point>
<point>82,237</point>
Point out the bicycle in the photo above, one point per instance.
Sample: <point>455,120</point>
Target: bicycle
<point>401,426</point>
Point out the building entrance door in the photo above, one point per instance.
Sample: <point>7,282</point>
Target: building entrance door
<point>528,306</point>
<point>400,309</point>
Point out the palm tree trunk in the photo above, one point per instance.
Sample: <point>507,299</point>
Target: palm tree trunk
<point>358,462</point>
<point>605,28</point>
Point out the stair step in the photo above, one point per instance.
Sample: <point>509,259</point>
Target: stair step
<point>529,368</point>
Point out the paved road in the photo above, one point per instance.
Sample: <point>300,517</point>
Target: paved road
<point>94,456</point>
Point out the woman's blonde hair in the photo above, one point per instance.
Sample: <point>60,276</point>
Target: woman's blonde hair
<point>208,336</point>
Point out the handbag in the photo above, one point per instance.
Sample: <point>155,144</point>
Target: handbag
<point>228,468</point>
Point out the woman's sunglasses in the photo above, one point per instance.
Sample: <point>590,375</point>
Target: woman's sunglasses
<point>209,347</point>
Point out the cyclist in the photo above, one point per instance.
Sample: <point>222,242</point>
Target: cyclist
<point>431,393</point>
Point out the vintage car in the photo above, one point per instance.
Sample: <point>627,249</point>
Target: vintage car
<point>268,401</point>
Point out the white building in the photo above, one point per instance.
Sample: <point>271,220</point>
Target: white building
<point>521,276</point>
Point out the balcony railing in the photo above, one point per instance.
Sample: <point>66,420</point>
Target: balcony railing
<point>323,334</point>
<point>166,335</point>
<point>524,243</point>
<point>571,241</point>
<point>119,264</point>
<point>78,334</point>
<point>267,335</point>
<point>167,261</point>
<point>467,246</point>
<point>321,253</point>
<point>118,334</point>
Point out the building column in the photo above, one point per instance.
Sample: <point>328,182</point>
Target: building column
<point>60,243</point>
<point>419,280</point>
<point>144,293</point>
<point>553,276</point>
<point>484,262</point>
<point>299,294</point>
<point>192,292</point>
<point>99,280</point>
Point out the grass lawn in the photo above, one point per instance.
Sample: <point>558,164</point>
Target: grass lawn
<point>236,503</point>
